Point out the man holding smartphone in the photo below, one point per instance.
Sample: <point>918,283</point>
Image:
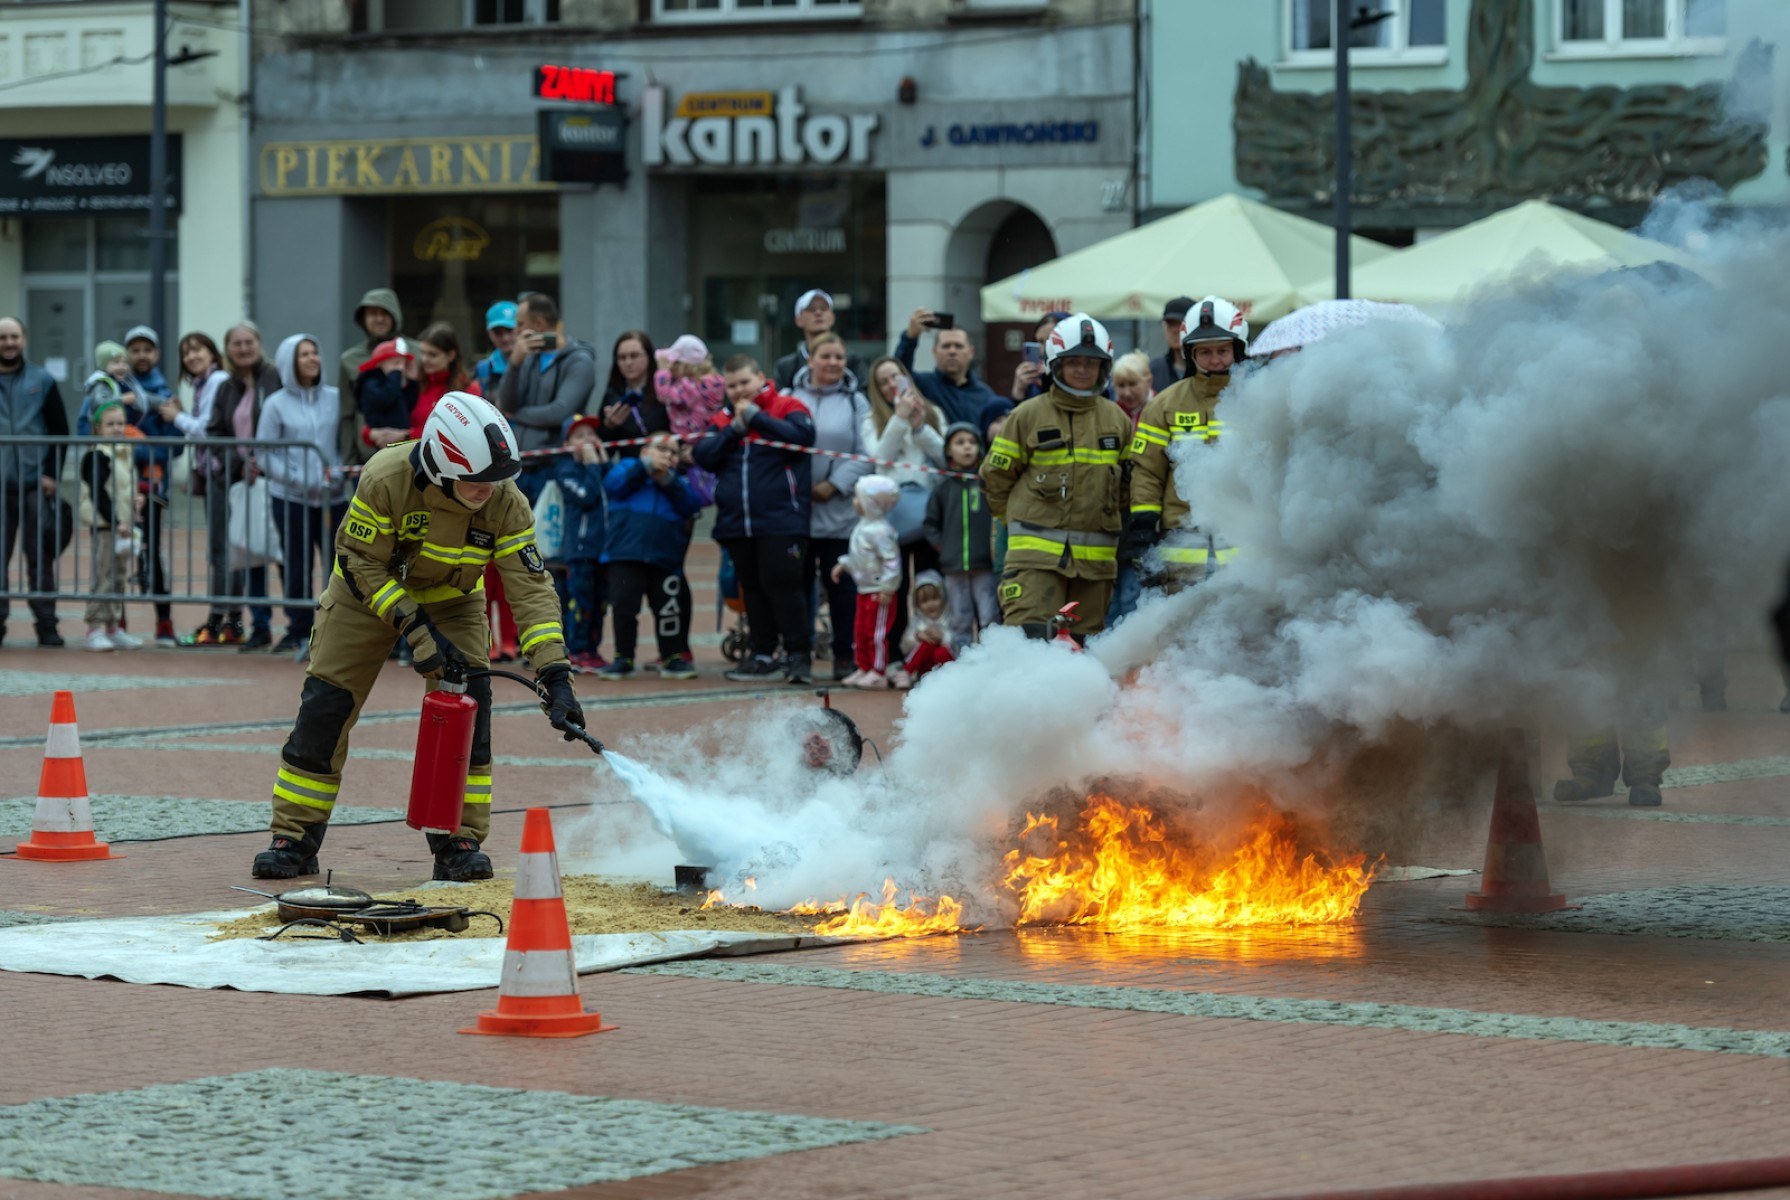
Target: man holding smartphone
<point>550,378</point>
<point>953,384</point>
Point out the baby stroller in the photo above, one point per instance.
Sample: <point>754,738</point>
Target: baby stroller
<point>735,644</point>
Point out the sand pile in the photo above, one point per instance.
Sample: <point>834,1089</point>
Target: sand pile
<point>593,905</point>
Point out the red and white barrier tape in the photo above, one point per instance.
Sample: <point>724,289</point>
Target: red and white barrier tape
<point>527,455</point>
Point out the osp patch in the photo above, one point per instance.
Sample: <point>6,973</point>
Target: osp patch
<point>360,530</point>
<point>414,524</point>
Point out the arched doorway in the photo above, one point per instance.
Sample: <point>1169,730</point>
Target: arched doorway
<point>995,240</point>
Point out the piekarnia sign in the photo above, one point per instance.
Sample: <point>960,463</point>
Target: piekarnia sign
<point>750,129</point>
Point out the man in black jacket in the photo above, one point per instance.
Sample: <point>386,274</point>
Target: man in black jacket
<point>814,316</point>
<point>30,406</point>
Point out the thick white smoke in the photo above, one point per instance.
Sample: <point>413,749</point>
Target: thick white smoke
<point>1528,519</point>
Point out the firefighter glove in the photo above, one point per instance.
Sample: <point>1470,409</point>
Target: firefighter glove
<point>560,705</point>
<point>432,654</point>
<point>1142,531</point>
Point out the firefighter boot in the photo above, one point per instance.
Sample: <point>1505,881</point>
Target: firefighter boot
<point>1643,795</point>
<point>289,858</point>
<point>459,859</point>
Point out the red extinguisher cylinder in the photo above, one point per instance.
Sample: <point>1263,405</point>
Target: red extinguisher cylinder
<point>443,753</point>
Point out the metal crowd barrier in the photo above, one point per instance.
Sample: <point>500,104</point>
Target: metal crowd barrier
<point>48,540</point>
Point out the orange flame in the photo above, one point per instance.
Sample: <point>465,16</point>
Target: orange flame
<point>863,918</point>
<point>1122,867</point>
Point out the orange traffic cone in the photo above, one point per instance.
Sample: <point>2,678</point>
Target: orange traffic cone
<point>1516,872</point>
<point>62,830</point>
<point>539,993</point>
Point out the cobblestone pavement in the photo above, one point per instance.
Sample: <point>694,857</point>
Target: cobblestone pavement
<point>1647,1027</point>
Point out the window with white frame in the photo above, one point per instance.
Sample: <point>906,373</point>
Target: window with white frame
<point>1384,31</point>
<point>768,10</point>
<point>1639,27</point>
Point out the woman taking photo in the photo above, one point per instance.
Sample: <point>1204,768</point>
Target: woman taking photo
<point>830,394</point>
<point>235,412</point>
<point>905,428</point>
<point>630,407</point>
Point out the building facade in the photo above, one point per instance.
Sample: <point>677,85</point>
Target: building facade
<point>1464,107</point>
<point>894,154</point>
<point>75,114</point>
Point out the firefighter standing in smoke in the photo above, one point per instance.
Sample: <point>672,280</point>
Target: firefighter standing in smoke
<point>1054,475</point>
<point>1174,551</point>
<point>428,517</point>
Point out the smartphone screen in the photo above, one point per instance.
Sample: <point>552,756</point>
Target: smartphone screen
<point>1033,352</point>
<point>944,320</point>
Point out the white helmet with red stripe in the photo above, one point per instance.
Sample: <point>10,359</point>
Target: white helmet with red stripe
<point>1215,319</point>
<point>1079,336</point>
<point>466,438</point>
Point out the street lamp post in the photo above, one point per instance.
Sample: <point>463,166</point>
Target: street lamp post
<point>158,167</point>
<point>1342,27</point>
<point>158,178</point>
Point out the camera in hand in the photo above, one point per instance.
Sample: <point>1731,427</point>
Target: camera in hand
<point>944,320</point>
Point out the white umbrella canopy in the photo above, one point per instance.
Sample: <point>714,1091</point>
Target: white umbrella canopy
<point>1440,274</point>
<point>1250,253</point>
<point>1315,322</point>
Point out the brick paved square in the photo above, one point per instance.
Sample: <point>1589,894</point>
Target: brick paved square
<point>279,1133</point>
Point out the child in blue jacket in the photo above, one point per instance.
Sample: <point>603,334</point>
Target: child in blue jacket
<point>581,586</point>
<point>651,504</point>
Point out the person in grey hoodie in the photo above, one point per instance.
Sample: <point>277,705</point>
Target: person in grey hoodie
<point>308,492</point>
<point>830,394</point>
<point>378,317</point>
<point>549,381</point>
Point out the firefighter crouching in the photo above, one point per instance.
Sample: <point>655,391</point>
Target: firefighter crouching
<point>427,518</point>
<point>1170,549</point>
<point>1055,476</point>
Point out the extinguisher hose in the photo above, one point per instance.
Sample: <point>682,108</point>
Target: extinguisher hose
<point>572,732</point>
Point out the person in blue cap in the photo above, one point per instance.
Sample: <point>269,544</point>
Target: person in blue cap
<point>500,327</point>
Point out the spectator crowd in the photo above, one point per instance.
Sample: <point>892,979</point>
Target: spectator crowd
<point>848,498</point>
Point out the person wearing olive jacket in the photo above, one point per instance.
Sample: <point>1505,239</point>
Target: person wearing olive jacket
<point>1054,475</point>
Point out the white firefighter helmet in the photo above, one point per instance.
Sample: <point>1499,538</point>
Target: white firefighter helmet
<point>1215,319</point>
<point>466,438</point>
<point>1079,336</point>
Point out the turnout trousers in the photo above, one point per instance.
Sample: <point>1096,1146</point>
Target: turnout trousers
<point>1032,596</point>
<point>348,647</point>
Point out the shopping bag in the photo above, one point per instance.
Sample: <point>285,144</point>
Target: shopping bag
<point>550,520</point>
<point>250,537</point>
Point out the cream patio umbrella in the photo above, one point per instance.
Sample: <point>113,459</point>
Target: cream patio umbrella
<point>1247,252</point>
<point>1441,273</point>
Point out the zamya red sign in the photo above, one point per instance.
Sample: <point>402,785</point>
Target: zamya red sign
<point>580,85</point>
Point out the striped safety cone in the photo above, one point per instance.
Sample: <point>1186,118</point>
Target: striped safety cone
<point>62,830</point>
<point>539,993</point>
<point>1515,879</point>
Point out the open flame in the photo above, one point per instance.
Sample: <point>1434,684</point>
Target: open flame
<point>1123,867</point>
<point>917,917</point>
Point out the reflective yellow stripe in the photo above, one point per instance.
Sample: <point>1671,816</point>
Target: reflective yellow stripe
<point>1046,546</point>
<point>362,509</point>
<point>1153,433</point>
<point>305,791</point>
<point>515,542</point>
<point>454,556</point>
<point>547,631</point>
<point>1058,458</point>
<point>1146,508</point>
<point>385,597</point>
<point>1003,445</point>
<point>1170,554</point>
<point>478,789</point>
<point>445,591</point>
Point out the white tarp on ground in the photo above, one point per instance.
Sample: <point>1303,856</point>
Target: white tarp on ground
<point>175,950</point>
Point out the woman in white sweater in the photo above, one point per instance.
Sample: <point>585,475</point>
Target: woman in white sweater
<point>904,428</point>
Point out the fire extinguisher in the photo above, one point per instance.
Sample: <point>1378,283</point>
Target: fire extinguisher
<point>443,752</point>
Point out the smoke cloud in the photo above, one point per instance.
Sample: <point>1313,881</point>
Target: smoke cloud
<point>1530,518</point>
